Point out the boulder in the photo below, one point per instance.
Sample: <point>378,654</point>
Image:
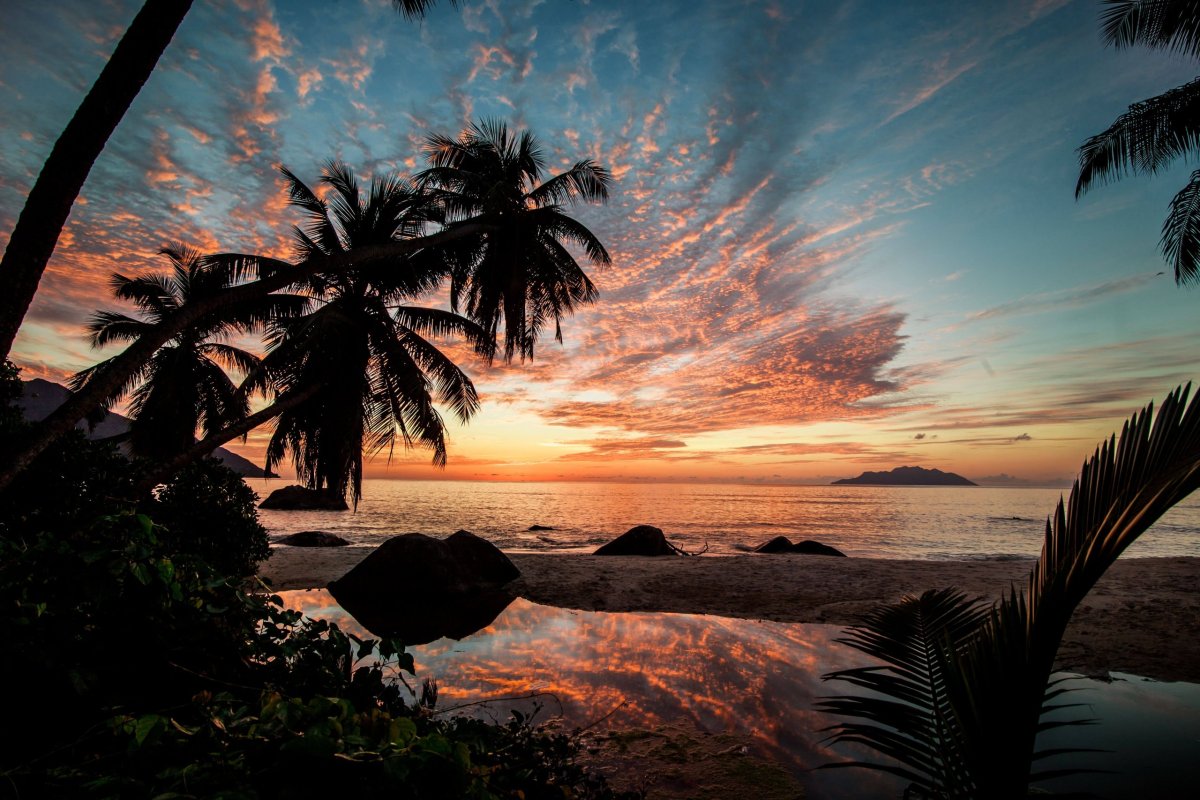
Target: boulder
<point>312,539</point>
<point>782,544</point>
<point>644,540</point>
<point>540,528</point>
<point>811,548</point>
<point>300,498</point>
<point>416,588</point>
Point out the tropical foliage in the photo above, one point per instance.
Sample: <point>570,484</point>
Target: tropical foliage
<point>140,670</point>
<point>376,375</point>
<point>960,699</point>
<point>1156,132</point>
<point>182,386</point>
<point>521,270</point>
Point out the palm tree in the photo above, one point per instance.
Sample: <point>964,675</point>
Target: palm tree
<point>1155,132</point>
<point>35,236</point>
<point>362,353</point>
<point>183,386</point>
<point>961,698</point>
<point>522,271</point>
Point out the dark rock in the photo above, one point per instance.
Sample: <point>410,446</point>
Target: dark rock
<point>481,560</point>
<point>313,539</point>
<point>540,528</point>
<point>417,588</point>
<point>644,540</point>
<point>299,498</point>
<point>781,544</point>
<point>811,548</point>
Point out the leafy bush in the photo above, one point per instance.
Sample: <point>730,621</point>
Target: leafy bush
<point>208,510</point>
<point>134,667</point>
<point>142,673</point>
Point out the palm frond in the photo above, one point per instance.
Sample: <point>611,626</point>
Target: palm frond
<point>1144,139</point>
<point>585,180</point>
<point>233,268</point>
<point>1162,24</point>
<point>998,685</point>
<point>1180,242</point>
<point>319,228</point>
<point>108,327</point>
<point>415,9</point>
<point>918,640</point>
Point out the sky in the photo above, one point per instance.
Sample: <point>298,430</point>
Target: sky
<point>844,235</point>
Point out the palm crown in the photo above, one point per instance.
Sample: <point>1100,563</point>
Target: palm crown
<point>521,270</point>
<point>184,384</point>
<point>375,373</point>
<point>1155,132</point>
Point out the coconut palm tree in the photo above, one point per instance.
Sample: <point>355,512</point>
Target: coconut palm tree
<point>183,386</point>
<point>363,353</point>
<point>522,271</point>
<point>49,202</point>
<point>960,699</point>
<point>1154,133</point>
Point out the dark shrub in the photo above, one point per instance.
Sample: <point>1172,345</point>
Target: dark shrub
<point>208,510</point>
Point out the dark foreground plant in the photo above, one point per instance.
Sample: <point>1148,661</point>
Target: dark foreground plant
<point>133,668</point>
<point>960,700</point>
<point>142,673</point>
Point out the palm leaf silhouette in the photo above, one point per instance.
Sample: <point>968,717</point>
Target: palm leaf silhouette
<point>973,696</point>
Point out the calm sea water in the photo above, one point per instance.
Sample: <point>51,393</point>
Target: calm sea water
<point>940,523</point>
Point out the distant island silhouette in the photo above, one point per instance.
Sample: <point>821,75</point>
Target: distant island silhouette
<point>907,476</point>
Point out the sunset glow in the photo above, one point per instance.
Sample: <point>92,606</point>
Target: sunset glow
<point>844,236</point>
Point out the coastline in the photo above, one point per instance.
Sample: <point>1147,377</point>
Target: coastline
<point>1143,618</point>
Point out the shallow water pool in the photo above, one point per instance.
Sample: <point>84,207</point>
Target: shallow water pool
<point>759,680</point>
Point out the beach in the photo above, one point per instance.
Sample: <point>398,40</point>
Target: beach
<point>1143,618</point>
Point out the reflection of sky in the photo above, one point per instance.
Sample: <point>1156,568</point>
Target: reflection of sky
<point>758,679</point>
<point>844,233</point>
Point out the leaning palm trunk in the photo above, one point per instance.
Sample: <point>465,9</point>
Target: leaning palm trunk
<point>49,202</point>
<point>163,472</point>
<point>991,684</point>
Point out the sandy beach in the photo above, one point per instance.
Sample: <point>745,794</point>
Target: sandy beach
<point>1142,618</point>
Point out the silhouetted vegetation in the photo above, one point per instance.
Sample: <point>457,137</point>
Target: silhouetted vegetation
<point>961,700</point>
<point>138,669</point>
<point>1155,132</point>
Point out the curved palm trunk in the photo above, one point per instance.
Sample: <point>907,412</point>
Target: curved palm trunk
<point>100,388</point>
<point>49,202</point>
<point>205,446</point>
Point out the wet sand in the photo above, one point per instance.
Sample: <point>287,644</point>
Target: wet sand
<point>1142,618</point>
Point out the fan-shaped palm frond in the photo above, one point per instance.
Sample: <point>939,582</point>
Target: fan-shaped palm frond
<point>997,681</point>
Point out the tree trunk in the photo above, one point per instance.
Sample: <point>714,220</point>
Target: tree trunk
<point>107,381</point>
<point>49,202</point>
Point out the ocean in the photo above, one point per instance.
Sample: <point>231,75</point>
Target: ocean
<point>914,522</point>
